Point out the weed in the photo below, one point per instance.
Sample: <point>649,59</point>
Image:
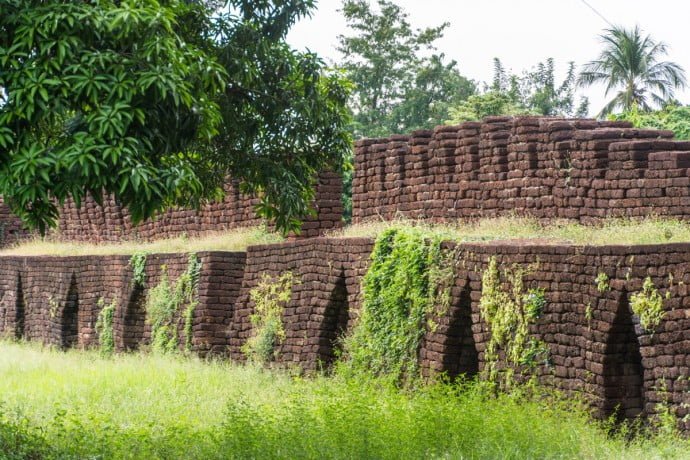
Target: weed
<point>405,288</point>
<point>163,306</point>
<point>53,306</point>
<point>270,297</point>
<point>534,302</point>
<point>589,315</point>
<point>602,281</point>
<point>138,264</point>
<point>104,326</point>
<point>508,313</point>
<point>648,305</point>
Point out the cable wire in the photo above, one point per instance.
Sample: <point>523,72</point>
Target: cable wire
<point>597,13</point>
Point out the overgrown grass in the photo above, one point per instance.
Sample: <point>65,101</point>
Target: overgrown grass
<point>82,405</point>
<point>230,240</point>
<point>650,230</point>
<point>612,231</point>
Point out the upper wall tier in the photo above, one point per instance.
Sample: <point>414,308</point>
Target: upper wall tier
<point>112,222</point>
<point>542,167</point>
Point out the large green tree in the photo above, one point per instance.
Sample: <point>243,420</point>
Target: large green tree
<point>401,83</point>
<point>631,64</point>
<point>156,101</point>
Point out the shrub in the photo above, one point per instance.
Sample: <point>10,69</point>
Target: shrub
<point>104,326</point>
<point>406,287</point>
<point>270,297</point>
<point>648,305</point>
<point>508,314</point>
<point>163,306</point>
<point>138,264</point>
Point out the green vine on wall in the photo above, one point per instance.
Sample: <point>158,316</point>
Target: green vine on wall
<point>168,304</point>
<point>648,305</point>
<point>138,264</point>
<point>406,288</point>
<point>508,314</point>
<point>104,326</point>
<point>270,296</point>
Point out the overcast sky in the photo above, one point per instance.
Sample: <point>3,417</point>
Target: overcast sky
<point>519,32</point>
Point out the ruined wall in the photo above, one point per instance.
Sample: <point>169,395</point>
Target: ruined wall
<point>112,223</point>
<point>55,300</point>
<point>328,275</point>
<point>596,345</point>
<point>542,167</point>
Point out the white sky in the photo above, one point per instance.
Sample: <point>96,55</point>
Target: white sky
<point>519,32</point>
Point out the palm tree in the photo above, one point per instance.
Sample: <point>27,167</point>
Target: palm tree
<point>630,63</point>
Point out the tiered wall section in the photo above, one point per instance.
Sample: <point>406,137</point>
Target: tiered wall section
<point>55,300</point>
<point>596,345</point>
<point>541,167</point>
<point>112,223</point>
<point>548,168</point>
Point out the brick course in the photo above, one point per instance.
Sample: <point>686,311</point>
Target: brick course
<point>112,223</point>
<point>576,169</point>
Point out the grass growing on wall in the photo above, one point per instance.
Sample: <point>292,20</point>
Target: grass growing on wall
<point>80,405</point>
<point>230,240</point>
<point>611,231</point>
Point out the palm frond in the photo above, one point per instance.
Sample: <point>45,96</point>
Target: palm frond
<point>630,61</point>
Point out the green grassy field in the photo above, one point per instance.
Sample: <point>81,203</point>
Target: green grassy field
<point>82,405</point>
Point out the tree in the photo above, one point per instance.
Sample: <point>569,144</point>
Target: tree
<point>538,91</point>
<point>672,116</point>
<point>533,93</point>
<point>631,64</point>
<point>284,115</point>
<point>483,105</point>
<point>157,101</point>
<point>397,87</point>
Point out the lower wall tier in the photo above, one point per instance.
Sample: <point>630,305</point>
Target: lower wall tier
<point>597,347</point>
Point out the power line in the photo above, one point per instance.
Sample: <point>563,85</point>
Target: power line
<point>597,13</point>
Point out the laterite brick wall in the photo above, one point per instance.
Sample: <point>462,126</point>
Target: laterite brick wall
<point>112,223</point>
<point>55,300</point>
<point>605,355</point>
<point>542,167</point>
<point>327,274</point>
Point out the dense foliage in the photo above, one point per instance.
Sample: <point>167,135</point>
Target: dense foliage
<point>631,64</point>
<point>157,101</point>
<point>405,288</point>
<point>672,117</point>
<point>534,92</point>
<point>401,84</point>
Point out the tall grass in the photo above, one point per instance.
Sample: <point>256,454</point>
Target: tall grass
<point>81,405</point>
<point>651,230</point>
<point>230,240</point>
